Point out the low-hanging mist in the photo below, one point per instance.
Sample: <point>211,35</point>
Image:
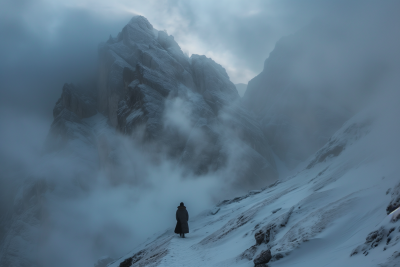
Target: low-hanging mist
<point>100,192</point>
<point>75,208</point>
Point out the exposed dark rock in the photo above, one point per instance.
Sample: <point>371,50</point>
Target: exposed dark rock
<point>264,257</point>
<point>126,263</point>
<point>371,241</point>
<point>132,260</point>
<point>265,234</point>
<point>259,236</point>
<point>277,257</point>
<point>375,237</point>
<point>138,256</point>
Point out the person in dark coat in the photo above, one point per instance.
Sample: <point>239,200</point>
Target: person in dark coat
<point>182,218</point>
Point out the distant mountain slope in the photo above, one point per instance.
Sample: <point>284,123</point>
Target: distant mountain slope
<point>312,82</point>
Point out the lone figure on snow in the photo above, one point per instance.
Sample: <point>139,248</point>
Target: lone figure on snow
<point>182,217</point>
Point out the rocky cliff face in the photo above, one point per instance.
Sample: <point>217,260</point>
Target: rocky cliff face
<point>150,90</point>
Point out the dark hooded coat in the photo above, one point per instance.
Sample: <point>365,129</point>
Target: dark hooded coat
<point>182,217</point>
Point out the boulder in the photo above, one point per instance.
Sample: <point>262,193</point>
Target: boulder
<point>263,258</point>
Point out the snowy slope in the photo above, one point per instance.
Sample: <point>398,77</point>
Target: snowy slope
<point>319,216</point>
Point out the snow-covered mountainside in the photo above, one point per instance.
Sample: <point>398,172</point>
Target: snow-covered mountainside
<point>330,212</point>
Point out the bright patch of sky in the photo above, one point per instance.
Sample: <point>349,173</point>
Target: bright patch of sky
<point>237,34</point>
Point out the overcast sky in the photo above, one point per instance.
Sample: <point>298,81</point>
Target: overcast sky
<point>45,43</point>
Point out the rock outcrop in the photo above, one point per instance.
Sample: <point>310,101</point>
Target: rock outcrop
<point>263,258</point>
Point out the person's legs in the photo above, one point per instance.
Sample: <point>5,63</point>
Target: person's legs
<point>183,235</point>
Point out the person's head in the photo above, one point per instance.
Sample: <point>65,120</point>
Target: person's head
<point>181,204</point>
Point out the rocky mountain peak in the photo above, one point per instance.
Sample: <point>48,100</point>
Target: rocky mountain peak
<point>143,74</point>
<point>141,22</point>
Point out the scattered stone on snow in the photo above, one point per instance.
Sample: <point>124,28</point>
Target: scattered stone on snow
<point>373,240</point>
